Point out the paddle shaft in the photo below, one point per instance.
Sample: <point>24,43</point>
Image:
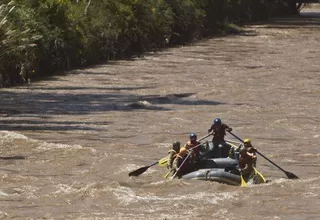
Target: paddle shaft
<point>153,164</point>
<point>205,136</point>
<point>233,142</point>
<point>270,161</point>
<point>242,182</point>
<point>190,151</point>
<point>290,175</point>
<point>145,168</point>
<point>259,153</point>
<point>164,161</point>
<point>141,170</point>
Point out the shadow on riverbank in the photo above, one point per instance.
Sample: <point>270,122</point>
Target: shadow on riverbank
<point>310,15</point>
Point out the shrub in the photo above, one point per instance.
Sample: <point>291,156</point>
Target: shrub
<point>17,44</point>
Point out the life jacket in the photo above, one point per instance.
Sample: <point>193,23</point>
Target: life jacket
<point>196,151</point>
<point>251,150</point>
<point>252,153</point>
<point>183,153</point>
<point>234,151</point>
<point>248,160</point>
<point>171,156</point>
<point>179,159</point>
<point>244,160</point>
<point>219,132</point>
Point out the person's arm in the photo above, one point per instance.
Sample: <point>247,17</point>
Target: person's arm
<point>244,170</point>
<point>248,168</point>
<point>177,161</point>
<point>253,150</point>
<point>231,153</point>
<point>170,159</point>
<point>227,128</point>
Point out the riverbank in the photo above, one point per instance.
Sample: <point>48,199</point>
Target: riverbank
<point>63,35</point>
<point>82,132</point>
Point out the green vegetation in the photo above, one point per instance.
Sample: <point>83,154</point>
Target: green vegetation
<point>39,37</point>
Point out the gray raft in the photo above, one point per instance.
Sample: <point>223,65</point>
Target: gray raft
<point>215,165</point>
<point>222,170</point>
<point>215,174</point>
<point>218,170</point>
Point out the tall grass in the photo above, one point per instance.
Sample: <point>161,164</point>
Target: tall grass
<point>17,43</point>
<point>39,37</point>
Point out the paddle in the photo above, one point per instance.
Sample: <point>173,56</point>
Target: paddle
<point>190,151</point>
<point>289,175</point>
<point>165,176</point>
<point>161,162</point>
<point>141,170</point>
<point>261,177</point>
<point>243,182</point>
<point>233,142</point>
<point>164,161</point>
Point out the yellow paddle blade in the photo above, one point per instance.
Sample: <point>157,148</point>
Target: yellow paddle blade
<point>163,162</point>
<point>166,176</point>
<point>243,182</point>
<point>259,178</point>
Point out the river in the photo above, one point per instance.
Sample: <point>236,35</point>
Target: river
<point>83,131</point>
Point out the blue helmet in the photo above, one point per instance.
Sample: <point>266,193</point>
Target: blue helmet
<point>217,121</point>
<point>193,135</point>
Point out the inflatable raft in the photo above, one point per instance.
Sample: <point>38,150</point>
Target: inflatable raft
<point>223,170</point>
<point>215,165</point>
<point>215,174</point>
<point>224,175</point>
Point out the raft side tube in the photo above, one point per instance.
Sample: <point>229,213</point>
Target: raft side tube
<point>216,175</point>
<point>219,163</point>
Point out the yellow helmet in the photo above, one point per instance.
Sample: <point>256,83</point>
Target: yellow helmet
<point>247,141</point>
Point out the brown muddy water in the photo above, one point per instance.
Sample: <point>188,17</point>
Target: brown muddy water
<point>83,132</point>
